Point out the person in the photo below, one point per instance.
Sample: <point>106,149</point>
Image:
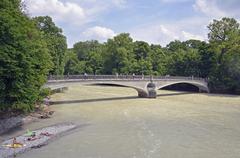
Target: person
<point>85,75</point>
<point>14,142</point>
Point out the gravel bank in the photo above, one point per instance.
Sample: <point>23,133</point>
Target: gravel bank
<point>13,122</point>
<point>55,131</point>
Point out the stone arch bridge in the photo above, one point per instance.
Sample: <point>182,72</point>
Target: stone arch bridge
<point>146,86</point>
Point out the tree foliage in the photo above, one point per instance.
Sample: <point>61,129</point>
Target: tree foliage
<point>225,43</point>
<point>56,43</point>
<point>24,58</point>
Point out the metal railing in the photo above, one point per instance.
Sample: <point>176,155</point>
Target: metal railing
<point>122,77</point>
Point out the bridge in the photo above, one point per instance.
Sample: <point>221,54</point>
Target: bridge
<point>146,86</point>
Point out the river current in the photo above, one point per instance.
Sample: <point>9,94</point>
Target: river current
<point>114,123</point>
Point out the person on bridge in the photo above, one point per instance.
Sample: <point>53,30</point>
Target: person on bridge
<point>85,75</point>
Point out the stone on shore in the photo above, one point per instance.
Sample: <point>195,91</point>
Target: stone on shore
<point>54,131</point>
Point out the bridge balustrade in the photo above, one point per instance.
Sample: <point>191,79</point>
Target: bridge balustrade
<point>122,77</point>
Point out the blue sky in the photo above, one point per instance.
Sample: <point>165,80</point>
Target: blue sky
<point>153,21</point>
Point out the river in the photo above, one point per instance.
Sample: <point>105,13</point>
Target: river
<point>116,124</point>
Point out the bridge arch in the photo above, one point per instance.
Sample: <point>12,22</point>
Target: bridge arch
<point>141,92</point>
<point>201,87</point>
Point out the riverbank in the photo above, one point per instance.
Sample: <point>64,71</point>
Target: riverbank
<point>14,120</point>
<point>41,138</point>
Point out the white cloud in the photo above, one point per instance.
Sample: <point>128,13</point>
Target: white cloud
<point>209,8</point>
<point>156,34</point>
<point>187,35</point>
<point>164,32</point>
<point>99,33</point>
<point>75,12</point>
<point>58,10</point>
<point>167,32</point>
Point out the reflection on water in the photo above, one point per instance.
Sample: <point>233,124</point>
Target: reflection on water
<point>122,126</point>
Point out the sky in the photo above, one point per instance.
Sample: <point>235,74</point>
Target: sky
<point>153,21</point>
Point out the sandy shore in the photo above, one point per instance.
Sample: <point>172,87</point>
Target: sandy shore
<point>54,131</point>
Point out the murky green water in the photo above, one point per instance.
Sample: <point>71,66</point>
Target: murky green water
<point>174,125</point>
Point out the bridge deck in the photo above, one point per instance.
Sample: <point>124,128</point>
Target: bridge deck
<point>123,77</point>
<point>139,83</point>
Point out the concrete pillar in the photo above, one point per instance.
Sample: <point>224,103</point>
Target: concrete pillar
<point>152,93</point>
<point>142,94</point>
<point>151,89</point>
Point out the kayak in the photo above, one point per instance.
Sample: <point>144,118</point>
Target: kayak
<point>14,145</point>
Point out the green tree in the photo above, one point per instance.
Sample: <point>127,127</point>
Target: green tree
<point>221,32</point>
<point>56,42</point>
<point>142,54</point>
<point>159,60</point>
<point>176,45</point>
<point>184,63</point>
<point>224,41</point>
<point>71,66</point>
<point>24,58</point>
<point>89,54</point>
<point>119,56</point>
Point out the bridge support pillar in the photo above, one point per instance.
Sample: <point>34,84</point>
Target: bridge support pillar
<point>151,88</point>
<point>150,92</point>
<point>142,94</point>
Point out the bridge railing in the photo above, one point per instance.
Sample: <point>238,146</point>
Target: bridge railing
<point>122,77</point>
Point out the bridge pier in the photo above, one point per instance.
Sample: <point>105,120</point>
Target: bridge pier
<point>150,92</point>
<point>151,89</point>
<point>142,94</point>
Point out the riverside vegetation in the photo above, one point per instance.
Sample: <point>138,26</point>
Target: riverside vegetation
<point>33,48</point>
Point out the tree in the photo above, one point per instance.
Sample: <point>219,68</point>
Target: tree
<point>176,45</point>
<point>119,56</point>
<point>159,60</point>
<point>89,54</point>
<point>221,31</point>
<point>184,63</point>
<point>56,42</point>
<point>224,41</point>
<point>142,54</point>
<point>24,58</point>
<point>72,66</point>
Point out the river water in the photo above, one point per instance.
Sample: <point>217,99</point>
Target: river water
<point>116,124</point>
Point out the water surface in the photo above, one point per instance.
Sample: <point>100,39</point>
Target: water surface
<point>119,125</point>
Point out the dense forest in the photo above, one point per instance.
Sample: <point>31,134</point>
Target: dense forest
<point>33,48</point>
